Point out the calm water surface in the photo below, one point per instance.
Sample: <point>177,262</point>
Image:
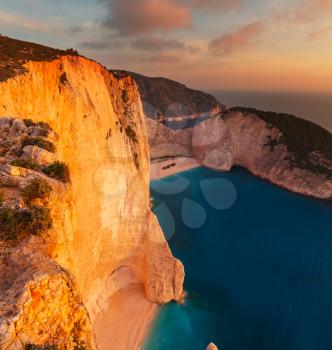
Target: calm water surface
<point>316,107</point>
<point>258,275</point>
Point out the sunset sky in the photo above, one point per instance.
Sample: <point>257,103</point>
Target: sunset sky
<point>207,44</point>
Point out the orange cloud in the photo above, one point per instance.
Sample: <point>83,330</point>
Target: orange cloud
<point>319,33</point>
<point>307,12</point>
<point>236,40</point>
<point>146,16</point>
<point>212,5</point>
<point>163,57</point>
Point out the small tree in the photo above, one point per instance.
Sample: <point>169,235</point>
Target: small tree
<point>37,189</point>
<point>58,170</point>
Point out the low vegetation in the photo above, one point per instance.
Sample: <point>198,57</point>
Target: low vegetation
<point>15,53</point>
<point>1,198</point>
<point>26,163</point>
<point>58,170</point>
<point>16,223</point>
<point>39,142</point>
<point>37,189</point>
<point>40,347</point>
<point>43,125</point>
<point>302,138</point>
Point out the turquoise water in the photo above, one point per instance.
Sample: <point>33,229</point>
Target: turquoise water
<point>258,274</point>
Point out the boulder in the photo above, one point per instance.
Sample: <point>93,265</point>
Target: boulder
<point>212,346</point>
<point>39,155</point>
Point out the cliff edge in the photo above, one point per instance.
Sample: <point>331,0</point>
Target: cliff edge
<point>103,236</point>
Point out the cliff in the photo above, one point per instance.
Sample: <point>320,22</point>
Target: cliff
<point>288,151</point>
<point>173,103</point>
<point>104,237</point>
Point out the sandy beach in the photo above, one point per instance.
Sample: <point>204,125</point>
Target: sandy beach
<point>124,324</point>
<point>160,168</point>
<point>126,321</point>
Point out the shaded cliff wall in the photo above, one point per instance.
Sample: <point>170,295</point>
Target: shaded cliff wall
<point>104,233</point>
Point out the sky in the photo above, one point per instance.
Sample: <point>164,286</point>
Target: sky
<point>277,45</point>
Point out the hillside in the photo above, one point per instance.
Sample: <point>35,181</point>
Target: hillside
<point>15,53</point>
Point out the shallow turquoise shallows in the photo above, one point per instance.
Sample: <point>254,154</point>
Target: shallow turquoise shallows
<point>258,263</point>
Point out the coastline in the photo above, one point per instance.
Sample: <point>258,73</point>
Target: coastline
<point>160,168</point>
<point>126,321</point>
<point>128,317</point>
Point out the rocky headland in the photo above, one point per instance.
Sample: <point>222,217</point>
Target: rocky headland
<point>75,220</point>
<point>288,151</point>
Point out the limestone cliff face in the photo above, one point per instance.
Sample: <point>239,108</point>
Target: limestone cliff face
<point>244,139</point>
<point>104,233</point>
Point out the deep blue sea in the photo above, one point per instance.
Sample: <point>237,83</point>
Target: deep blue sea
<point>258,263</point>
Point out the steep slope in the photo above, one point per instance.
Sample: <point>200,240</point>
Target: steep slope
<point>173,103</point>
<point>288,151</point>
<point>104,234</point>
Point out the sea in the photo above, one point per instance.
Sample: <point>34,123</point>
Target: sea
<point>313,106</point>
<point>258,263</point>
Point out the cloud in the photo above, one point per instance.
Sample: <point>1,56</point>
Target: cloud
<point>129,17</point>
<point>319,33</point>
<point>153,43</point>
<point>163,57</point>
<point>23,22</point>
<point>306,12</point>
<point>236,40</point>
<point>193,50</point>
<point>102,44</point>
<point>75,29</point>
<point>212,5</point>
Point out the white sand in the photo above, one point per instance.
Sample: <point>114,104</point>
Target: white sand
<point>124,324</point>
<point>182,164</point>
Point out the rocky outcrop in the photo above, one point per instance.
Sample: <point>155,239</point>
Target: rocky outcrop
<point>104,236</point>
<point>288,151</point>
<point>40,303</point>
<point>165,142</point>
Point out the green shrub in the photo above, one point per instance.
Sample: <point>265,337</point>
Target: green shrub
<point>43,125</point>
<point>39,142</point>
<point>29,122</point>
<point>1,198</point>
<point>17,223</point>
<point>40,347</point>
<point>26,163</point>
<point>40,220</point>
<point>37,189</point>
<point>58,170</point>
